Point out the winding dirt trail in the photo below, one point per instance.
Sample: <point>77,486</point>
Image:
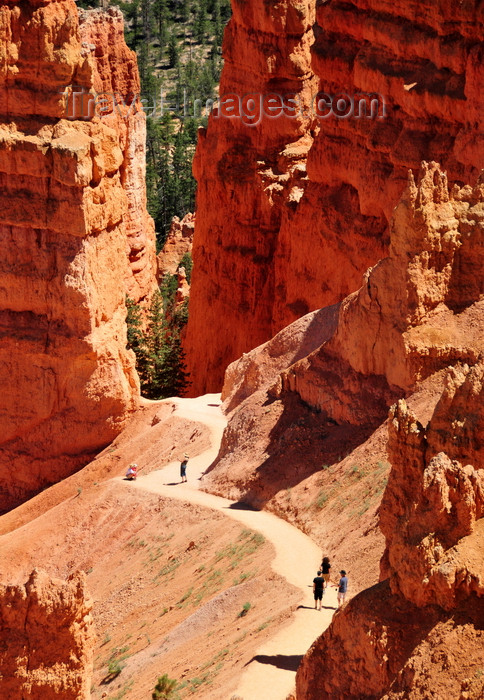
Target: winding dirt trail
<point>272,674</point>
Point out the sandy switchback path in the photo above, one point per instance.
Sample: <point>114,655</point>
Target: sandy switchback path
<point>272,675</point>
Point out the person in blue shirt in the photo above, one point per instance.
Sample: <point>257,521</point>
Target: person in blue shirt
<point>342,588</point>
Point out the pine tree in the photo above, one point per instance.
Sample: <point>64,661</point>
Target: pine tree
<point>160,360</point>
<point>173,51</point>
<point>173,378</point>
<point>201,21</point>
<point>137,339</point>
<point>156,338</point>
<point>161,16</point>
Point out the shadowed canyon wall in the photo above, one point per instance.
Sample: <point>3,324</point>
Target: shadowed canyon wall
<point>74,238</point>
<point>292,211</point>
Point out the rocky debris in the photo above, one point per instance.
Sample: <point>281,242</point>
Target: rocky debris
<point>47,639</point>
<point>75,237</point>
<point>310,200</point>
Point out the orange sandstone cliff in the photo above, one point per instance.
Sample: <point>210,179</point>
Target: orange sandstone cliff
<point>245,176</point>
<point>178,243</point>
<point>74,238</point>
<point>291,212</point>
<point>47,639</point>
<point>307,410</point>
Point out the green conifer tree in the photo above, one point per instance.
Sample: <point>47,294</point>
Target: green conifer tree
<point>137,340</point>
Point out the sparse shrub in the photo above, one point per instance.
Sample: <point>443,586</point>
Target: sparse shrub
<point>114,667</point>
<point>245,609</point>
<point>321,499</point>
<point>185,596</point>
<point>165,688</point>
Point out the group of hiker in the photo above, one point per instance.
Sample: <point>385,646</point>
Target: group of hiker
<point>323,580</point>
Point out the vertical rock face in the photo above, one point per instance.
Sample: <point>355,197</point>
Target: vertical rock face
<point>74,237</point>
<point>246,171</point>
<point>307,217</point>
<point>47,639</point>
<point>415,633</point>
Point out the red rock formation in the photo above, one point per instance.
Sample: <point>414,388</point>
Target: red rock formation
<point>47,639</point>
<point>179,242</point>
<point>429,298</point>
<point>298,411</point>
<point>245,175</point>
<point>417,312</point>
<point>420,633</point>
<point>72,226</point>
<point>435,496</point>
<point>300,238</point>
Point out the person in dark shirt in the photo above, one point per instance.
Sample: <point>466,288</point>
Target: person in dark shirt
<point>325,568</point>
<point>318,584</point>
<point>183,468</point>
<point>342,588</point>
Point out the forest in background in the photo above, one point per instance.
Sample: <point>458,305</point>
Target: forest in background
<point>179,49</point>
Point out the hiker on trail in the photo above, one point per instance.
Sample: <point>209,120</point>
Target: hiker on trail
<point>318,585</point>
<point>183,468</point>
<point>132,472</point>
<point>325,568</point>
<point>342,587</point>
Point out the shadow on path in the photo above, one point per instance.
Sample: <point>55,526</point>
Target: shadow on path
<point>287,663</point>
<point>240,505</point>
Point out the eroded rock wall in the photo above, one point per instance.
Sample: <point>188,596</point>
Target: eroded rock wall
<point>74,237</point>
<point>306,435</point>
<point>418,632</point>
<point>47,639</point>
<point>417,312</point>
<point>293,211</point>
<point>431,513</point>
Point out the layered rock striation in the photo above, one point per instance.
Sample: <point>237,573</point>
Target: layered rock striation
<point>47,639</point>
<point>310,197</point>
<point>74,238</point>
